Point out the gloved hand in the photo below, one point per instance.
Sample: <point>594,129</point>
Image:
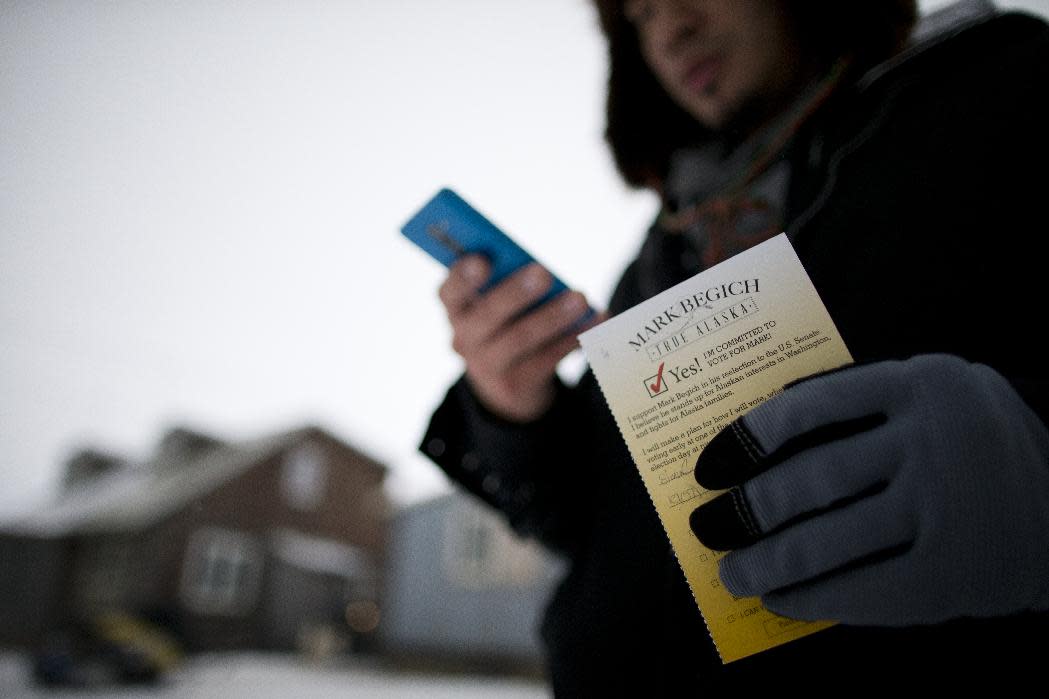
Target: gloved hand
<point>890,494</point>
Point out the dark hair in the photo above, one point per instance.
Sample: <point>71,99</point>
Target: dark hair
<point>644,126</point>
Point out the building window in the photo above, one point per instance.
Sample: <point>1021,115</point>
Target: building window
<point>480,552</point>
<point>304,476</point>
<point>222,572</point>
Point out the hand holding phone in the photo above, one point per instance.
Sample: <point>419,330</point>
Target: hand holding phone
<point>449,229</point>
<point>512,321</point>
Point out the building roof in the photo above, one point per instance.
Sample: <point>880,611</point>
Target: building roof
<point>137,495</point>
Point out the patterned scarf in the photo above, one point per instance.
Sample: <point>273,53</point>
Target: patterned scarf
<point>729,201</point>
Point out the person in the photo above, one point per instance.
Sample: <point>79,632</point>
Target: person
<point>906,496</point>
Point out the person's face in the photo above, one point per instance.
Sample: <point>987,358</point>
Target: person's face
<point>722,61</point>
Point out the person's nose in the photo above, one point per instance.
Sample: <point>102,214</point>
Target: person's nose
<point>675,23</point>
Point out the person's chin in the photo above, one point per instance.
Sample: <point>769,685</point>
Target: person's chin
<point>711,114</point>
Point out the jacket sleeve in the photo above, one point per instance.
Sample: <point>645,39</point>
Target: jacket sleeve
<point>536,474</point>
<point>519,469</point>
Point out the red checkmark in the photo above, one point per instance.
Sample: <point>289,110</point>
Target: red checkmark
<point>659,379</point>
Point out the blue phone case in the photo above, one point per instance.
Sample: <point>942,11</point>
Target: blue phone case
<point>448,228</point>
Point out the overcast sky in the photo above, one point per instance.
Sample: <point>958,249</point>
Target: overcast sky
<point>200,205</point>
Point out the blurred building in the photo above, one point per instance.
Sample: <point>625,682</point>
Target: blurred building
<point>462,589</point>
<point>273,543</point>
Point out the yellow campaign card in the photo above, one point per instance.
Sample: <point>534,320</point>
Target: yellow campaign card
<point>679,367</point>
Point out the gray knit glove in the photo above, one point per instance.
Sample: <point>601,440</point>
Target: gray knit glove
<point>889,494</point>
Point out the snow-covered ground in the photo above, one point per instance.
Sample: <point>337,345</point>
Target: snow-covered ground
<point>259,676</point>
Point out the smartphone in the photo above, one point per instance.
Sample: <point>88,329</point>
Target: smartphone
<point>448,228</point>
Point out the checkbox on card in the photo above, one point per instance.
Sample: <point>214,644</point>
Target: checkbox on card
<point>655,384</point>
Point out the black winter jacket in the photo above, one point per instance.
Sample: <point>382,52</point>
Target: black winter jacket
<point>910,206</point>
